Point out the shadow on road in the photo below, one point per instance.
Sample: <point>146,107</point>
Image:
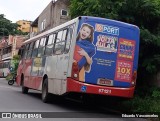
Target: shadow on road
<point>79,105</point>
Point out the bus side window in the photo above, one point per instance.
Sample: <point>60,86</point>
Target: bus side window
<point>60,42</point>
<point>64,38</point>
<point>26,50</point>
<point>35,49</point>
<point>49,44</point>
<point>21,52</point>
<point>41,47</point>
<point>68,39</point>
<point>30,50</point>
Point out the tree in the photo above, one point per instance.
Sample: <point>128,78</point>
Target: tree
<point>143,13</point>
<point>7,27</point>
<point>98,8</point>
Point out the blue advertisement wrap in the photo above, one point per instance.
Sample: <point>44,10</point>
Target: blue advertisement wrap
<point>106,52</point>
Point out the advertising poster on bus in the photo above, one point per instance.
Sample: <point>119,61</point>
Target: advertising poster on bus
<point>101,51</point>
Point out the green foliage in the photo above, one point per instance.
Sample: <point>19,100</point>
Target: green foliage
<point>156,93</point>
<point>9,76</point>
<point>14,63</point>
<point>7,27</point>
<point>99,8</point>
<point>147,101</point>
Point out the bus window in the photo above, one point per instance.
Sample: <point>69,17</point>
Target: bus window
<point>64,35</point>
<point>68,40</point>
<point>26,50</point>
<point>50,39</point>
<point>42,42</point>
<point>41,47</point>
<point>49,46</point>
<point>60,42</point>
<point>30,50</point>
<point>21,52</point>
<point>35,49</point>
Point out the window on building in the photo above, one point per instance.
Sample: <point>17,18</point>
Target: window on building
<point>64,12</point>
<point>43,25</point>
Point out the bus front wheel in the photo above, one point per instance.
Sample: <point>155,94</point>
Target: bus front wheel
<point>45,94</point>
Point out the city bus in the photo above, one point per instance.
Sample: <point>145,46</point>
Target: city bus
<point>86,55</point>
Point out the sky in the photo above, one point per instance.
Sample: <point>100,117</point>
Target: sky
<point>15,10</point>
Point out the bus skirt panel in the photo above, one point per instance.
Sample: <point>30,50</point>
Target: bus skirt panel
<point>81,87</point>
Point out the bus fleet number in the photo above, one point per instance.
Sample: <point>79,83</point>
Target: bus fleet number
<point>106,91</point>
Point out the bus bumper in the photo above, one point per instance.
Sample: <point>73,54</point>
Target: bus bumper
<point>76,86</point>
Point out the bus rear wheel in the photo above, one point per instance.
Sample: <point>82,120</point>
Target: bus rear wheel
<point>45,94</point>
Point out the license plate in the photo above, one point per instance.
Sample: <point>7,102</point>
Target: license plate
<point>106,82</point>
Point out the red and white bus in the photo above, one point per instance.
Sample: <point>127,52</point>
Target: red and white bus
<point>87,55</point>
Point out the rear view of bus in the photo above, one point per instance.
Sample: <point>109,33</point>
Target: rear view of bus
<point>105,58</point>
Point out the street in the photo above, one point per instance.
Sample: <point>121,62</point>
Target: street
<point>12,100</point>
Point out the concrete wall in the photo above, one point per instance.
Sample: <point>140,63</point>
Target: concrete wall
<point>52,14</point>
<point>45,15</point>
<point>57,18</point>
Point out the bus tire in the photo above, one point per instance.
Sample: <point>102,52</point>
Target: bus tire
<point>45,94</point>
<point>24,89</point>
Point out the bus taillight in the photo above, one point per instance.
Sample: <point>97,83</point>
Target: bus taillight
<point>75,71</point>
<point>134,77</point>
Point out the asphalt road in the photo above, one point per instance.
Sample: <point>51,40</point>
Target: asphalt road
<point>12,100</point>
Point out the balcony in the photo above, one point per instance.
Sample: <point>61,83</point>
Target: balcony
<point>7,56</point>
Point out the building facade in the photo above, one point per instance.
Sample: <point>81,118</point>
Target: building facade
<point>9,47</point>
<point>25,26</point>
<point>54,14</point>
